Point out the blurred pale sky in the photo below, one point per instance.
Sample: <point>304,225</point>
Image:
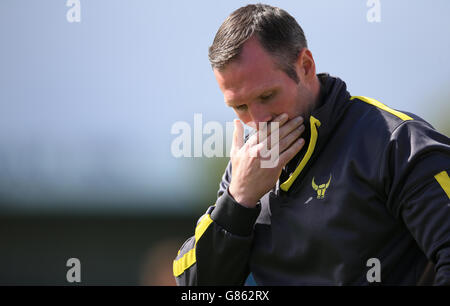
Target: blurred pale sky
<point>86,108</point>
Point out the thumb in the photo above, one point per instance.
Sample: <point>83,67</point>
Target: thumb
<point>238,136</point>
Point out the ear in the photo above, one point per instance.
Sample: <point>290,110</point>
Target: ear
<point>305,66</point>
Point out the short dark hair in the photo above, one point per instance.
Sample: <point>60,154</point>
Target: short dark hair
<point>276,30</point>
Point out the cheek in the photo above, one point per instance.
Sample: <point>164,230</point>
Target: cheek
<point>286,105</point>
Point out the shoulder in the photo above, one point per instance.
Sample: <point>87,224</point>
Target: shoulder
<point>371,113</point>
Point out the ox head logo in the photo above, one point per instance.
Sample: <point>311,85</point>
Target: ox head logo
<point>321,189</point>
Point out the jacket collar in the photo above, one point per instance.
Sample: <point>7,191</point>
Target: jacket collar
<point>333,104</point>
<point>330,108</point>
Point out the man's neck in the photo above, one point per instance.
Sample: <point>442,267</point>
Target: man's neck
<point>318,93</point>
<point>320,99</point>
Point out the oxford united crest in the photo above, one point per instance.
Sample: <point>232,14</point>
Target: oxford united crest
<point>321,189</point>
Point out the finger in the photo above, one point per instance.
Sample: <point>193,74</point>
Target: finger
<point>264,131</point>
<point>266,144</point>
<point>273,126</point>
<point>238,136</point>
<point>290,126</point>
<point>277,133</point>
<point>269,158</point>
<point>265,151</point>
<point>283,138</point>
<point>252,125</point>
<point>288,154</point>
<point>286,142</point>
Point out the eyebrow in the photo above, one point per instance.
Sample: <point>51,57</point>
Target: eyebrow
<point>262,93</point>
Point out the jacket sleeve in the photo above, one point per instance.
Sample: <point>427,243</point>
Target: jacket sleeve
<point>419,166</point>
<point>218,252</point>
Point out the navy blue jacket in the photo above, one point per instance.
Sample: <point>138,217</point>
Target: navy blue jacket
<point>371,183</point>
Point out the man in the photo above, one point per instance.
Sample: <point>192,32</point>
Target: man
<point>360,193</point>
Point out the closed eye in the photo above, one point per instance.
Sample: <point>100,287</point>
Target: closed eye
<point>266,97</point>
<point>242,107</point>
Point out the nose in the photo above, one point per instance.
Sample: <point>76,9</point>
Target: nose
<point>259,113</point>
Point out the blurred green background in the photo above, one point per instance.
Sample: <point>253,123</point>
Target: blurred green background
<point>86,110</point>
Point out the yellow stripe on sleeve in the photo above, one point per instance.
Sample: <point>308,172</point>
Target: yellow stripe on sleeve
<point>443,180</point>
<point>188,259</point>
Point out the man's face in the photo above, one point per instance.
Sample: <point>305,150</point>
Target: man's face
<point>258,90</point>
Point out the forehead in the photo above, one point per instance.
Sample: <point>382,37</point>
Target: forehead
<point>251,74</point>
